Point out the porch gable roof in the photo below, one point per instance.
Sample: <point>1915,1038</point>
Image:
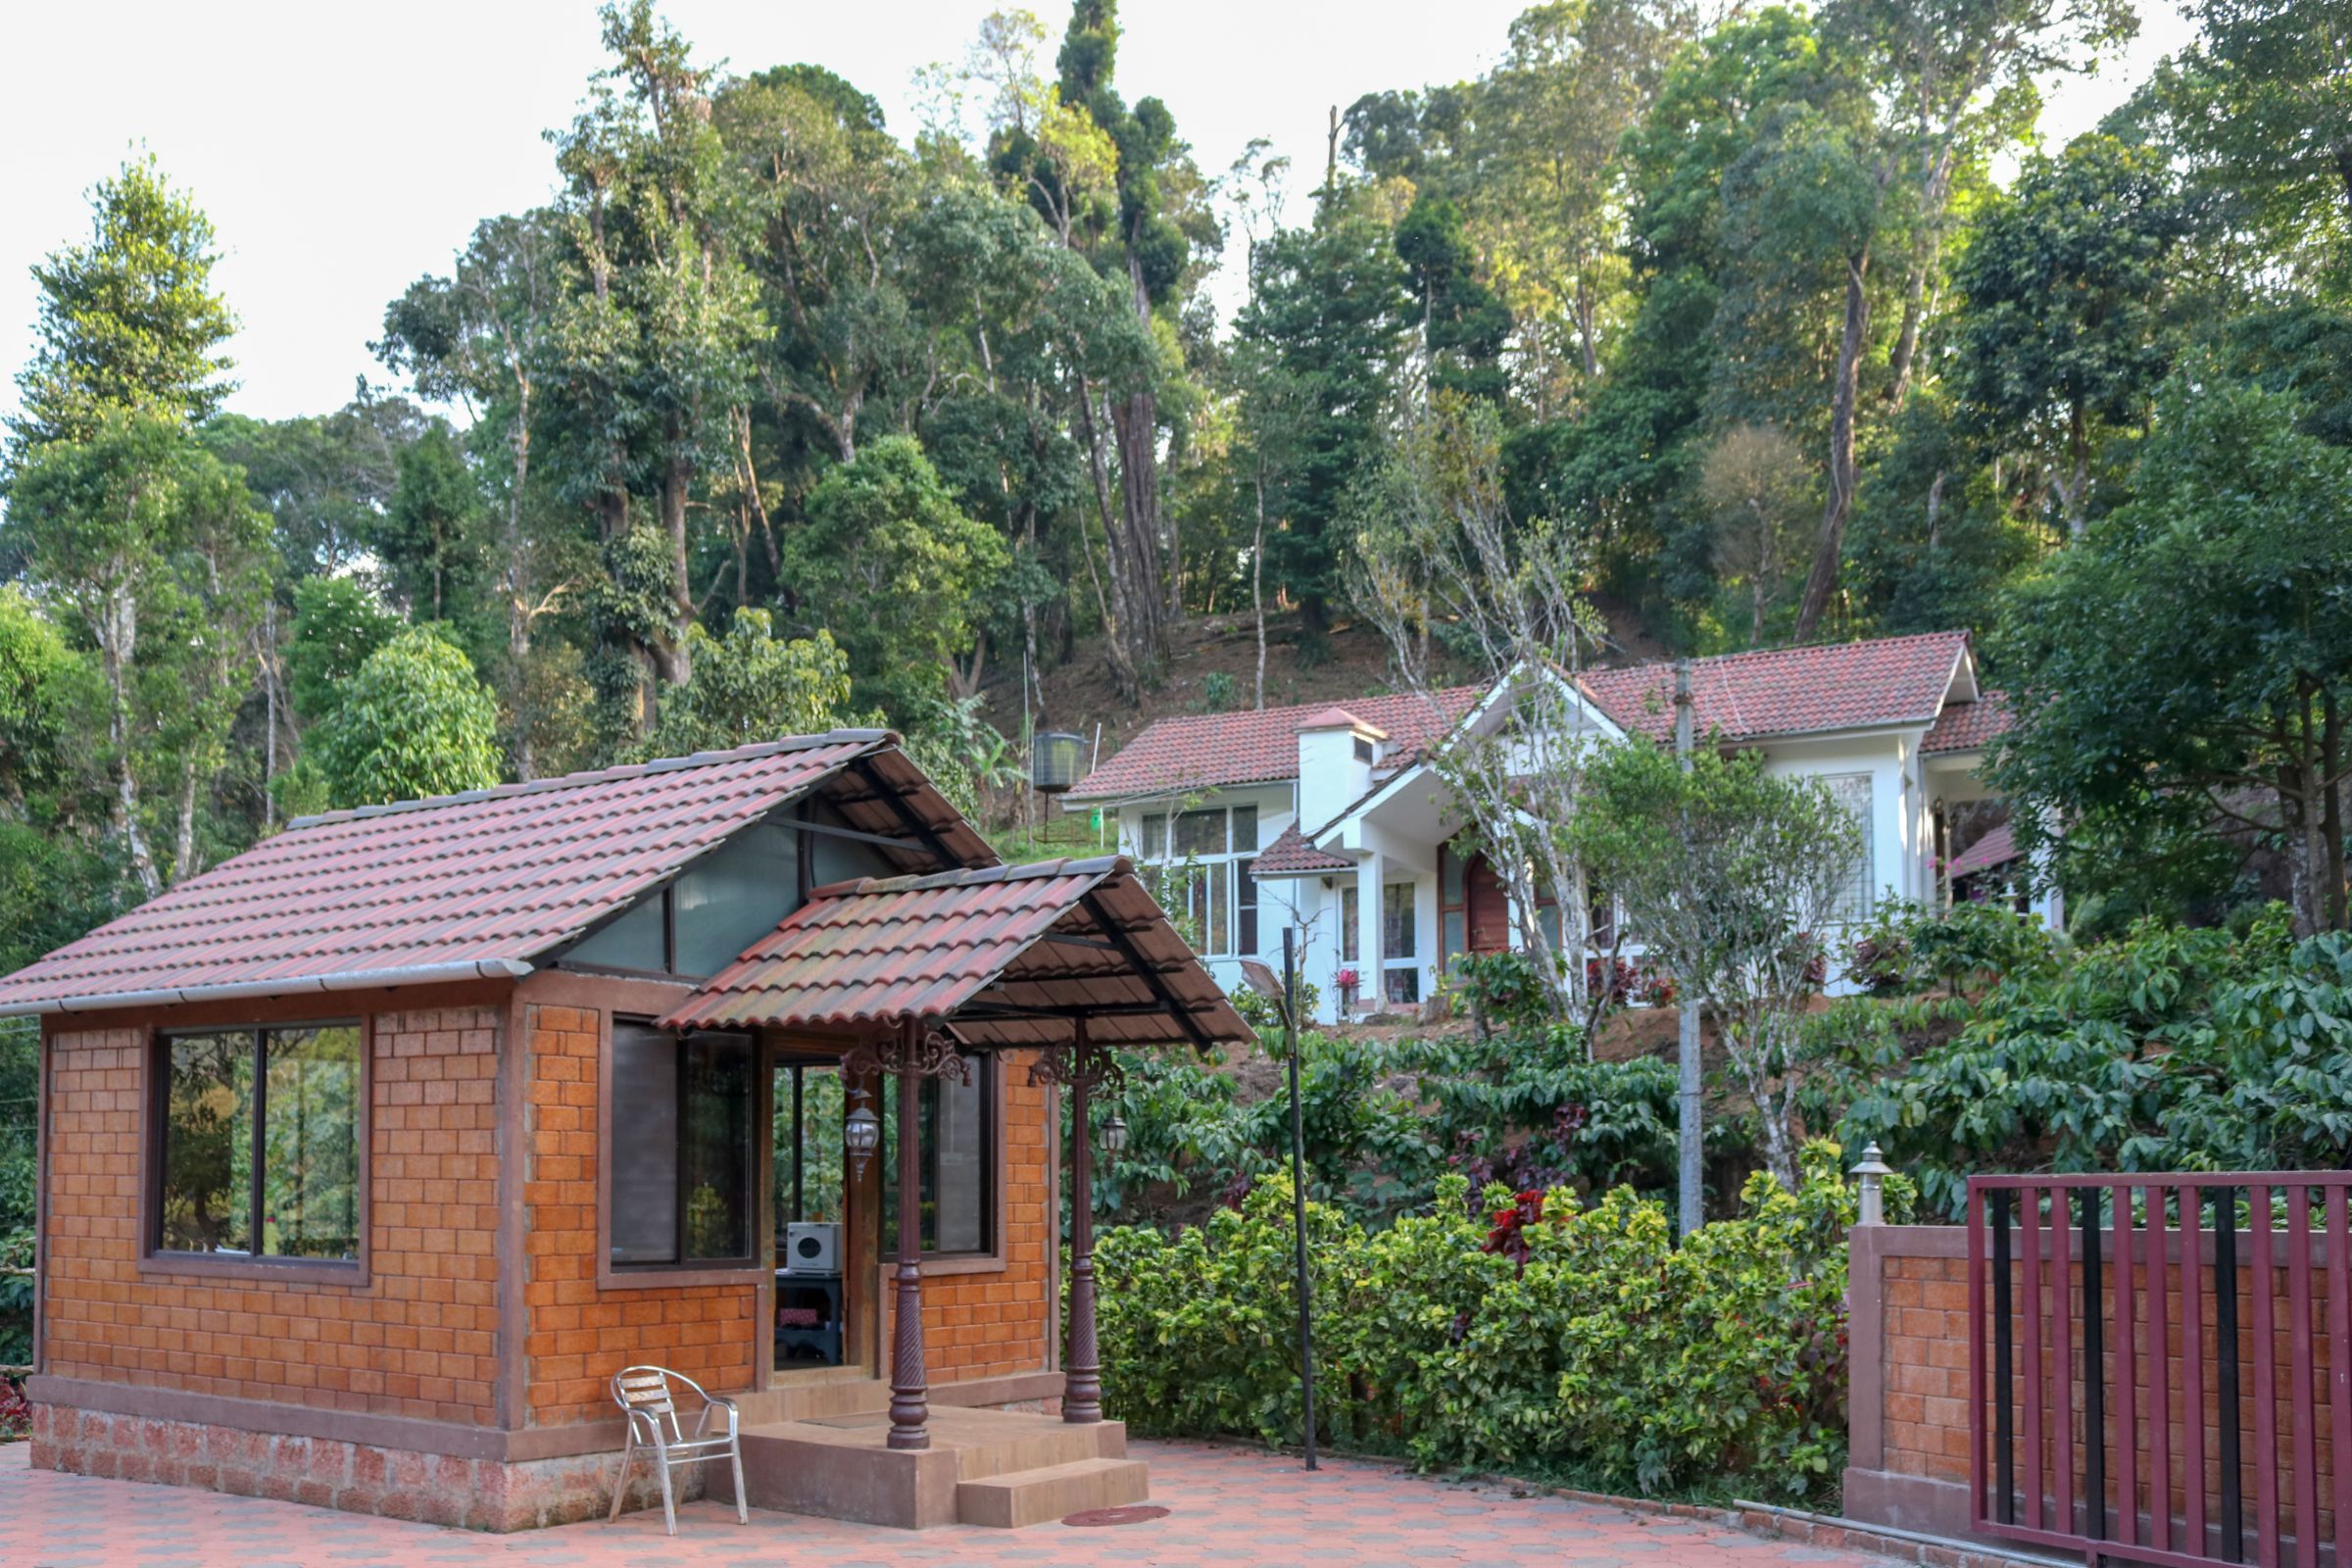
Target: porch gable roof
<point>1009,955</point>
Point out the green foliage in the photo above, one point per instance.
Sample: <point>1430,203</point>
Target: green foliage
<point>129,321</point>
<point>751,686</point>
<point>2241,526</point>
<point>1502,990</point>
<point>2174,1049</point>
<point>896,567</point>
<point>337,624</point>
<point>1609,1355</point>
<point>1902,948</point>
<point>413,721</point>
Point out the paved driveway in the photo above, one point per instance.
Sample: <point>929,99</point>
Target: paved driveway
<point>1227,1508</point>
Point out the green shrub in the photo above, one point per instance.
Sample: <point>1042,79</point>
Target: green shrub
<point>1609,1355</point>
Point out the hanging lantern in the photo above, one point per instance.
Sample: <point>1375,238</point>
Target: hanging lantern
<point>1114,1135</point>
<point>1054,756</point>
<point>860,1134</point>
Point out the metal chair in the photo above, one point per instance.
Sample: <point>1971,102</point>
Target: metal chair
<point>648,1399</point>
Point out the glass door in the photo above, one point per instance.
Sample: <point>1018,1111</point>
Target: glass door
<point>810,1210</point>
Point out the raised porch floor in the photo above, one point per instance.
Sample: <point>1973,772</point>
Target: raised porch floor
<point>1004,1468</point>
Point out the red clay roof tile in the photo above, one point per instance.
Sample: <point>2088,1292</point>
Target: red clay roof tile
<point>1204,751</point>
<point>1790,691</point>
<point>1970,726</point>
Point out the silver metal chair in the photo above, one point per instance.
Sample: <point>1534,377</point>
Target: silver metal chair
<point>648,1399</point>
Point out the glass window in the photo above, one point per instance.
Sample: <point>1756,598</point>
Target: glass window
<point>637,940</point>
<point>834,860</point>
<point>1154,844</point>
<point>808,1107</point>
<point>682,1158</point>
<point>734,896</point>
<point>1396,920</point>
<point>1401,986</point>
<point>1350,938</point>
<point>1201,833</point>
<point>958,1156</point>
<point>1244,830</point>
<point>1363,748</point>
<point>1245,908</point>
<point>260,1143</point>
<point>1852,792</point>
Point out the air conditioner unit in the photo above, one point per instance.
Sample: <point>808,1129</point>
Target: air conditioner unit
<point>810,1248</point>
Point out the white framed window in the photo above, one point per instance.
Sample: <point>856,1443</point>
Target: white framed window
<point>1852,792</point>
<point>1400,965</point>
<point>1210,888</point>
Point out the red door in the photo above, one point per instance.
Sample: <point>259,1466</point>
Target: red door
<point>1490,907</point>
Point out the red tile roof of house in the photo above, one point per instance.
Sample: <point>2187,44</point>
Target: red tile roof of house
<point>1790,691</point>
<point>1970,726</point>
<point>973,950</point>
<point>482,883</point>
<point>1998,847</point>
<point>1203,751</point>
<point>1291,855</point>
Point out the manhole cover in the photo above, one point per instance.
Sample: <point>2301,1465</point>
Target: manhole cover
<point>1133,1515</point>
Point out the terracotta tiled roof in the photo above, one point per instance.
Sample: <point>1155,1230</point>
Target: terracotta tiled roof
<point>483,882</point>
<point>1969,726</point>
<point>1202,751</point>
<point>1788,690</point>
<point>1997,846</point>
<point>972,949</point>
<point>1291,855</point>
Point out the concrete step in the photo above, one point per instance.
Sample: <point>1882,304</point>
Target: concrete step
<point>1038,1444</point>
<point>1018,1497</point>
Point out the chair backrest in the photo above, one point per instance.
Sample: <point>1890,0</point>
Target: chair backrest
<point>645,1394</point>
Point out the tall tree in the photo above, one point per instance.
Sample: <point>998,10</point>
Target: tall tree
<point>130,320</point>
<point>1946,85</point>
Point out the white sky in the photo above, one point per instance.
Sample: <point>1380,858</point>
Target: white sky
<point>345,150</point>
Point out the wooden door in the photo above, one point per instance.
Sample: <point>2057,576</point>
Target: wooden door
<point>1490,907</point>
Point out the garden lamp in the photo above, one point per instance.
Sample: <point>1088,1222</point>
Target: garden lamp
<point>1114,1135</point>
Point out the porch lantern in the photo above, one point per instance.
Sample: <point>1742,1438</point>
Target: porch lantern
<point>1114,1135</point>
<point>1053,761</point>
<point>861,1133</point>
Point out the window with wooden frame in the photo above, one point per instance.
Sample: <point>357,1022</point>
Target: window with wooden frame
<point>255,1136</point>
<point>684,1166</point>
<point>958,1152</point>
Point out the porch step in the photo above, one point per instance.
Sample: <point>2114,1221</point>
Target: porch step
<point>1019,1497</point>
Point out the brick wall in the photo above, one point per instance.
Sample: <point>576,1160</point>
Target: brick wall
<point>354,1477</point>
<point>1910,1393</point>
<point>985,1324</point>
<point>577,1336</point>
<point>417,1340</point>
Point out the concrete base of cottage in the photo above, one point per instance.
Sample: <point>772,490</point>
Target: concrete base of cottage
<point>355,1477</point>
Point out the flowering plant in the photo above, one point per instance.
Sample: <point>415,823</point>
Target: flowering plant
<point>1345,979</point>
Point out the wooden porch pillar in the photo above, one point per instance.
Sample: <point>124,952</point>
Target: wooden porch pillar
<point>909,1401</point>
<point>1082,1381</point>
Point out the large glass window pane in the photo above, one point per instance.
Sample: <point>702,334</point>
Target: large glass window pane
<point>1244,830</point>
<point>207,1143</point>
<point>1451,884</point>
<point>837,859</point>
<point>311,1173</point>
<point>1350,929</point>
<point>1245,908</point>
<point>735,895</point>
<point>644,1144</point>
<point>1852,792</point>
<point>1396,920</point>
<point>634,941</point>
<point>1154,846</point>
<point>1219,874</point>
<point>959,1174</point>
<point>1201,833</point>
<point>809,1145</point>
<point>955,1201</point>
<point>714,1155</point>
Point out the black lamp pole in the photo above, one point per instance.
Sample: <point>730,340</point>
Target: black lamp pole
<point>1307,1333</point>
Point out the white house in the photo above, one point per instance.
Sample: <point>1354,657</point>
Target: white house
<point>1327,815</point>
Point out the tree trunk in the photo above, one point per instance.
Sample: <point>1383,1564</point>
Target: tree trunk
<point>1111,607</point>
<point>519,584</point>
<point>1257,586</point>
<point>675,662</point>
<point>184,845</point>
<point>1822,582</point>
<point>117,634</point>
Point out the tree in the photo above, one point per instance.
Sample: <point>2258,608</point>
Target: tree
<point>1464,328</point>
<point>1753,482</point>
<point>751,686</point>
<point>431,537</point>
<point>413,721</point>
<point>2193,652</point>
<point>1321,341</point>
<point>1733,877</point>
<point>130,320</point>
<point>2065,284</point>
<point>889,559</point>
<point>337,625</point>
<point>1946,85</point>
<point>157,551</point>
<point>1443,556</point>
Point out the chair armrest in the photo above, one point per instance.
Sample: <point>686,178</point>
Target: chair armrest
<point>717,1402</point>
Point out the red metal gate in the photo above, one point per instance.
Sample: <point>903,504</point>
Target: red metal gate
<point>2160,1367</point>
